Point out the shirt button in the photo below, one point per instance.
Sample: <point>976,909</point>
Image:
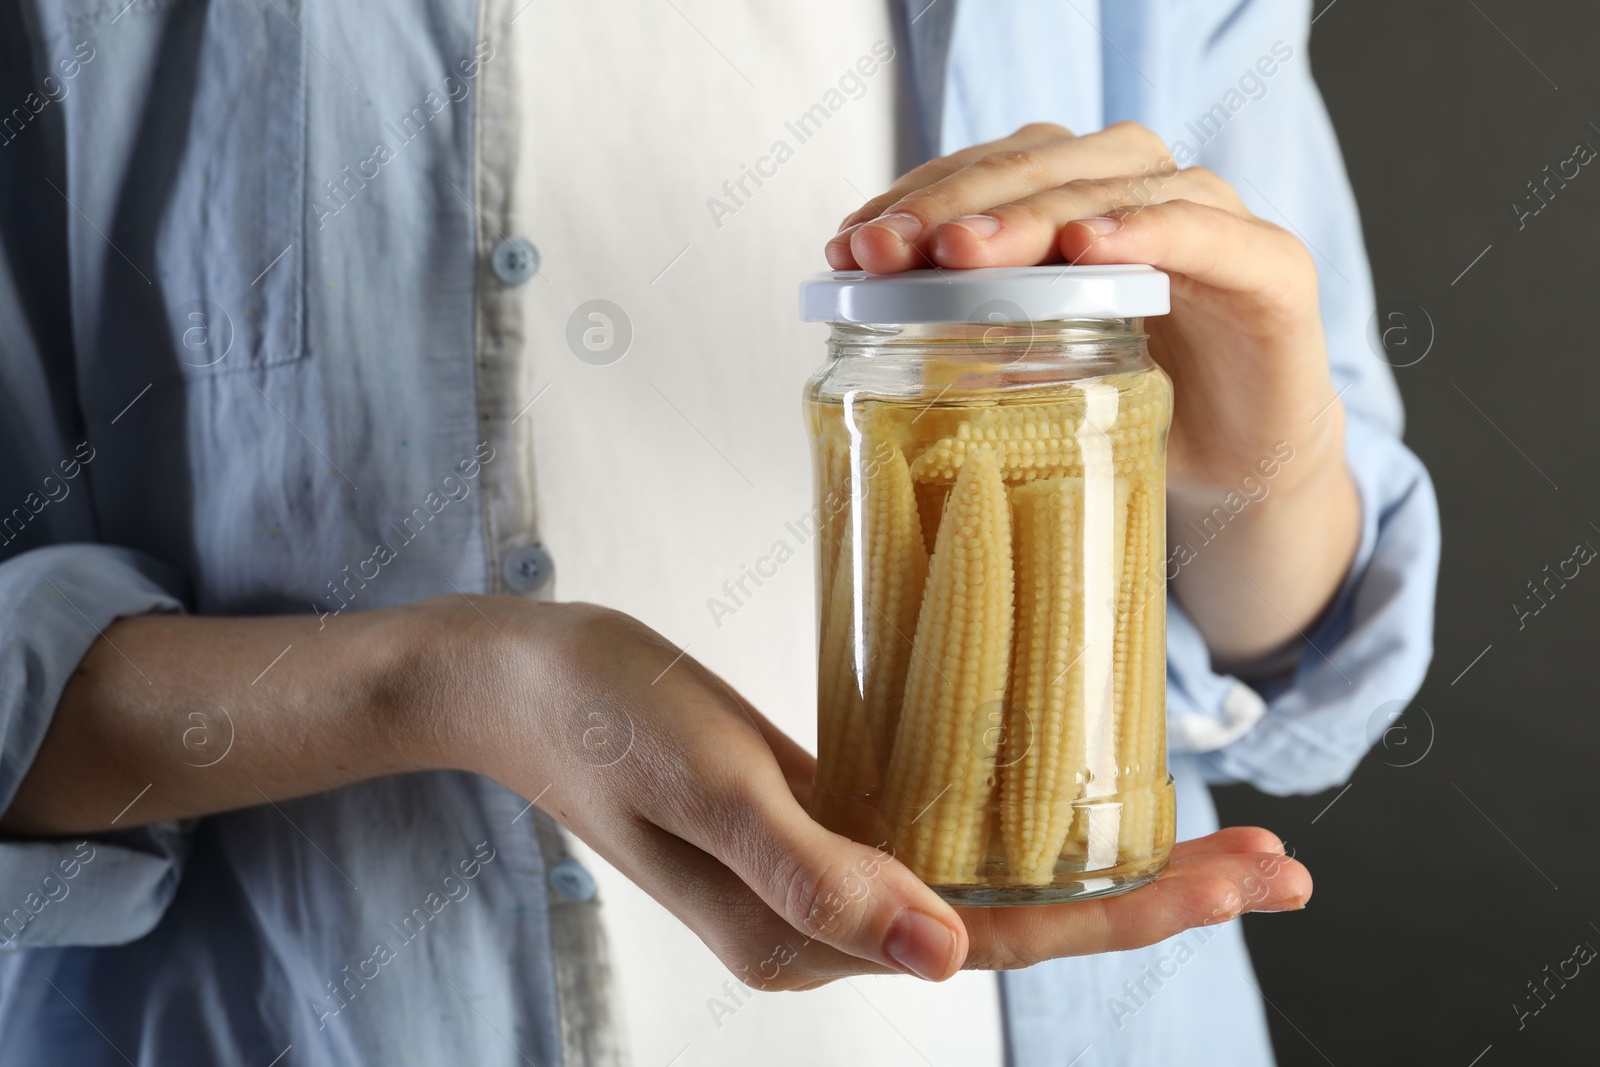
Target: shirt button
<point>528,569</point>
<point>515,260</point>
<point>572,882</point>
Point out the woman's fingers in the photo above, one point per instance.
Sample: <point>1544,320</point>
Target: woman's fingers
<point>895,229</point>
<point>724,793</point>
<point>1210,880</point>
<point>1027,231</point>
<point>1228,839</point>
<point>758,946</point>
<point>799,767</point>
<point>1202,242</point>
<point>935,169</point>
<point>858,899</point>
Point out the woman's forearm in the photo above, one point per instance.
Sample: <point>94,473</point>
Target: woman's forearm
<point>635,747</point>
<point>1258,583</point>
<point>198,715</point>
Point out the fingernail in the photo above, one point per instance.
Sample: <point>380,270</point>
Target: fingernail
<point>1100,224</point>
<point>920,943</point>
<point>1295,904</point>
<point>837,250</point>
<point>978,225</point>
<point>907,227</point>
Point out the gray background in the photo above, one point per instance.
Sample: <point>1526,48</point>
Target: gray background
<point>1446,884</point>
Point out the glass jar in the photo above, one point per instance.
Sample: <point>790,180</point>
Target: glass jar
<point>990,460</point>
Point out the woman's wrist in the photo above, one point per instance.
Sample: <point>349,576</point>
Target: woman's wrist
<point>423,675</point>
<point>1258,568</point>
<point>1276,469</point>
<point>457,682</point>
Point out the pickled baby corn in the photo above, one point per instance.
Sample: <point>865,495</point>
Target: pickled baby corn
<point>845,755</point>
<point>882,432</point>
<point>1141,675</point>
<point>1020,740</point>
<point>1044,766</point>
<point>1041,440</point>
<point>940,781</point>
<point>833,499</point>
<point>867,637</point>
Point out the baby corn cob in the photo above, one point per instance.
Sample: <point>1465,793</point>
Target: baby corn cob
<point>833,501</point>
<point>1041,440</point>
<point>844,748</point>
<point>940,782</point>
<point>1138,824</point>
<point>932,423</point>
<point>1025,448</point>
<point>1044,728</point>
<point>1147,821</point>
<point>1166,820</point>
<point>1100,574</point>
<point>1063,535</point>
<point>891,592</point>
<point>846,451</point>
<point>1141,618</point>
<point>861,682</point>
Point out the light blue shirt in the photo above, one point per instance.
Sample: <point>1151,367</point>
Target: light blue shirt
<point>141,470</point>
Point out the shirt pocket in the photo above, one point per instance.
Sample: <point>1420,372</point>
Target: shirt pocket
<point>185,147</point>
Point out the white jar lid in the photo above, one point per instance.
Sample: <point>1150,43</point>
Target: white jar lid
<point>988,294</point>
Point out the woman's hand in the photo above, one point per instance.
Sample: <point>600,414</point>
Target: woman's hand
<point>639,750</point>
<point>675,779</point>
<point>1244,345</point>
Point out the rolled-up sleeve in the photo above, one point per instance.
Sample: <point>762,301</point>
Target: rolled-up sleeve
<point>59,588</point>
<point>1370,650</point>
<point>1307,728</point>
<point>109,888</point>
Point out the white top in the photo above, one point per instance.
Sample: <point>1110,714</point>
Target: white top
<point>651,467</point>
